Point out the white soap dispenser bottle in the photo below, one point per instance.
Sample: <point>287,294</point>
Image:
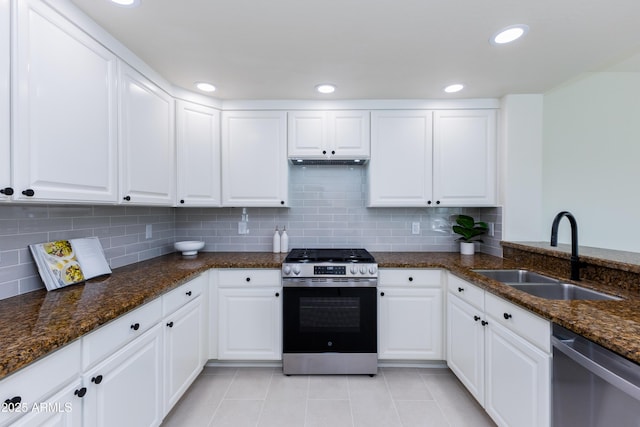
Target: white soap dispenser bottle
<point>284,240</point>
<point>276,241</point>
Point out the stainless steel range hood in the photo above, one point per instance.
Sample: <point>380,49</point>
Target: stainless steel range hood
<point>349,162</point>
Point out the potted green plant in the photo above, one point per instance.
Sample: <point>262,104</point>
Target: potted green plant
<point>469,231</point>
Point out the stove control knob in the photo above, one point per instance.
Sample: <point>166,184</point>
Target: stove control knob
<point>287,269</point>
<point>363,269</point>
<point>353,269</point>
<point>372,269</point>
<point>296,270</point>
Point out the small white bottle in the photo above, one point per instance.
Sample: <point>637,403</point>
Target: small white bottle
<point>284,240</point>
<point>276,241</point>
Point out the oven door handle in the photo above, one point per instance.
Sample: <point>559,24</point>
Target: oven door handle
<point>598,369</point>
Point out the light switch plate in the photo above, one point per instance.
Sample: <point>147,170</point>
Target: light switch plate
<point>148,232</point>
<point>415,228</point>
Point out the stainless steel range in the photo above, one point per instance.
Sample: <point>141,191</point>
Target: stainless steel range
<point>329,312</point>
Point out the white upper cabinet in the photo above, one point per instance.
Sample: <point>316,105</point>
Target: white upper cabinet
<point>198,151</point>
<point>400,165</point>
<point>64,110</point>
<point>329,135</point>
<point>464,157</point>
<point>255,170</point>
<point>147,143</point>
<point>5,117</point>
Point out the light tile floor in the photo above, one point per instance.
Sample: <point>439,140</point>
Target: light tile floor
<point>265,397</point>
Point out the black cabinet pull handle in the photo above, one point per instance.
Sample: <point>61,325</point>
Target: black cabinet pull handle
<point>170,324</point>
<point>188,293</point>
<point>182,201</point>
<point>127,198</point>
<point>97,379</point>
<point>28,192</point>
<point>81,392</point>
<point>381,294</point>
<point>476,318</point>
<point>135,326</point>
<point>411,279</point>
<point>460,289</point>
<point>507,316</point>
<point>13,402</point>
<point>248,279</point>
<point>485,323</point>
<point>277,294</point>
<point>7,191</point>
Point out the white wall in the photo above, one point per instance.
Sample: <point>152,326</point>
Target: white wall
<point>591,158</point>
<point>521,167</point>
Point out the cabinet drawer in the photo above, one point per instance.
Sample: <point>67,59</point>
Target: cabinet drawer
<point>249,277</point>
<point>466,291</point>
<point>109,338</point>
<point>178,297</point>
<point>36,382</point>
<point>410,277</point>
<point>524,323</point>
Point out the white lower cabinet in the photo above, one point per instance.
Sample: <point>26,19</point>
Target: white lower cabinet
<point>410,315</point>
<point>249,315</point>
<point>501,353</point>
<point>63,409</point>
<point>126,389</point>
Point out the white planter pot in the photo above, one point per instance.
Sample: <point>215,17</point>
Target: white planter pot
<point>467,248</point>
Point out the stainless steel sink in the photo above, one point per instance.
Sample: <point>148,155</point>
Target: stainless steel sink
<point>517,276</point>
<point>543,286</point>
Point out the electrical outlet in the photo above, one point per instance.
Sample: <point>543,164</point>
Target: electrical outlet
<point>148,232</point>
<point>415,228</point>
<point>492,229</point>
<point>242,227</point>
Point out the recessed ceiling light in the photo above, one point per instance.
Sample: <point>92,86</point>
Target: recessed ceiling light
<point>509,34</point>
<point>326,88</point>
<point>206,87</point>
<point>126,3</point>
<point>454,88</point>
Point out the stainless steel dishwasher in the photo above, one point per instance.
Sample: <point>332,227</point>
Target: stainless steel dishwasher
<point>592,386</point>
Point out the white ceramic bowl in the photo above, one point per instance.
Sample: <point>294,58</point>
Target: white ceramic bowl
<point>188,247</point>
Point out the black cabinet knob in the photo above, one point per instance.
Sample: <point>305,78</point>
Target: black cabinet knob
<point>97,379</point>
<point>182,201</point>
<point>333,151</point>
<point>188,293</point>
<point>282,202</point>
<point>381,294</point>
<point>460,289</point>
<point>135,326</point>
<point>127,198</point>
<point>248,279</point>
<point>7,191</point>
<point>324,151</point>
<point>485,323</point>
<point>437,202</point>
<point>411,279</point>
<point>28,192</point>
<point>80,392</point>
<point>476,318</point>
<point>507,316</point>
<point>170,324</point>
<point>277,294</point>
<point>428,202</point>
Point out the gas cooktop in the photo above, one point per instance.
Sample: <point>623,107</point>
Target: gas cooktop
<point>329,255</point>
<point>329,263</point>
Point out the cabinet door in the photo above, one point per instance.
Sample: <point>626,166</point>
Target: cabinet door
<point>400,165</point>
<point>64,145</point>
<point>147,145</point>
<point>63,409</point>
<point>410,324</point>
<point>464,157</point>
<point>349,134</point>
<point>518,379</point>
<point>198,150</point>
<point>465,345</point>
<point>5,117</point>
<point>307,134</point>
<point>250,324</point>
<point>183,350</point>
<point>126,389</point>
<point>255,169</point>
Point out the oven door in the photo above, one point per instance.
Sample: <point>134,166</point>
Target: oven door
<point>329,319</point>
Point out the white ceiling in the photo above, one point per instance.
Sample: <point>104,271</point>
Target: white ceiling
<point>373,49</point>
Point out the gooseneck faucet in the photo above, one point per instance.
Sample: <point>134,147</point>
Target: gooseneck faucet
<point>575,260</point>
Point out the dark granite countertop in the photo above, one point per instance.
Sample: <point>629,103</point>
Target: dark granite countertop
<point>35,324</point>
